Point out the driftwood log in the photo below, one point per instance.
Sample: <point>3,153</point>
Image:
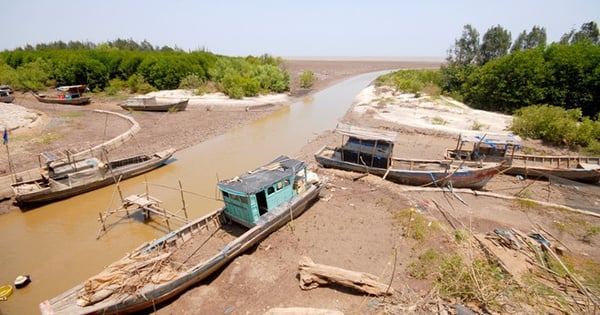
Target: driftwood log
<point>312,275</point>
<point>302,311</point>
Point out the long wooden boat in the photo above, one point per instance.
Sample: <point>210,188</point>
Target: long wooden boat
<point>370,151</point>
<point>256,204</point>
<point>503,147</point>
<point>83,100</point>
<point>150,104</point>
<point>64,179</point>
<point>68,95</point>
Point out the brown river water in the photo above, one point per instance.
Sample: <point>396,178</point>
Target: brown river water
<point>57,244</point>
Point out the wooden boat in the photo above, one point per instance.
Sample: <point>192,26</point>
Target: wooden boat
<point>62,179</point>
<point>152,105</point>
<point>502,148</point>
<point>370,151</point>
<point>5,292</point>
<point>5,96</point>
<point>68,95</point>
<point>256,204</point>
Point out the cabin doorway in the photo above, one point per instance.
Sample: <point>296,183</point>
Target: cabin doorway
<point>261,199</point>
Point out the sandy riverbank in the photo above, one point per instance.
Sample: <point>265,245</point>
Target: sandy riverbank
<point>353,226</point>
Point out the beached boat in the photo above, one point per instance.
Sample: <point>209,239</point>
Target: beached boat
<point>62,178</point>
<point>68,95</point>
<point>370,151</point>
<point>503,147</point>
<point>150,104</point>
<point>256,204</point>
<point>5,96</point>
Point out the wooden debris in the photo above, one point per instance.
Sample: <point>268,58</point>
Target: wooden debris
<point>312,275</point>
<point>302,311</point>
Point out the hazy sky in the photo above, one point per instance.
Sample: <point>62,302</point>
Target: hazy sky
<point>287,28</point>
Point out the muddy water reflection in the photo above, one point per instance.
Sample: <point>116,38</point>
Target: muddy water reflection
<point>56,244</point>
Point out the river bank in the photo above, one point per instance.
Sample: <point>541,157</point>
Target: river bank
<point>355,225</point>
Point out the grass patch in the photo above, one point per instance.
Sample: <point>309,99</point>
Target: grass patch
<point>478,281</point>
<point>477,126</point>
<point>48,138</point>
<point>426,266</point>
<point>416,225</point>
<point>437,120</point>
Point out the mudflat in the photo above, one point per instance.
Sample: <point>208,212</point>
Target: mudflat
<point>356,224</point>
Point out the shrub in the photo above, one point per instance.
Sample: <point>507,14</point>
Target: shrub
<point>191,81</point>
<point>556,125</point>
<point>307,79</point>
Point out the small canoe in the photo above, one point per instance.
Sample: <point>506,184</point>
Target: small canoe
<point>5,291</point>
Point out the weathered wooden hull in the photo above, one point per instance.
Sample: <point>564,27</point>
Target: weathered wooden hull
<point>465,177</point>
<point>7,99</point>
<point>153,294</point>
<point>83,100</point>
<point>41,191</point>
<point>177,106</point>
<point>591,176</point>
<point>543,166</point>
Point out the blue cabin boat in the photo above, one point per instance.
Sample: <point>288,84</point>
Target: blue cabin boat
<point>258,202</point>
<point>253,194</point>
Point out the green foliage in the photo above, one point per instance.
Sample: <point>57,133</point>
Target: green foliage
<point>416,225</point>
<point>535,38</point>
<point>33,76</point>
<point>144,67</point>
<point>495,44</point>
<point>137,84</point>
<point>411,81</point>
<point>478,281</point>
<point>466,49</point>
<point>427,264</point>
<point>507,83</point>
<point>556,125</point>
<point>8,75</point>
<point>191,81</point>
<point>307,79</point>
<point>240,77</point>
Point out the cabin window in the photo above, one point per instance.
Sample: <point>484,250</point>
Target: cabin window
<point>244,199</point>
<point>225,194</point>
<point>271,190</point>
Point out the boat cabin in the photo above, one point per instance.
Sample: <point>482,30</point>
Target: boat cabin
<point>485,147</point>
<point>249,196</point>
<point>71,91</point>
<point>366,146</point>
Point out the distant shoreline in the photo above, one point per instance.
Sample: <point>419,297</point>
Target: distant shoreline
<point>367,58</point>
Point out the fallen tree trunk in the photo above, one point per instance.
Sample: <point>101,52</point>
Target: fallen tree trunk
<point>312,275</point>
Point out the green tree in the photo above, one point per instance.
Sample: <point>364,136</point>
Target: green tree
<point>535,38</point>
<point>495,44</point>
<point>587,33</point>
<point>508,83</point>
<point>466,48</point>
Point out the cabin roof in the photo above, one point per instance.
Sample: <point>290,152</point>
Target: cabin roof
<point>263,176</point>
<point>65,88</point>
<point>491,139</point>
<point>365,133</point>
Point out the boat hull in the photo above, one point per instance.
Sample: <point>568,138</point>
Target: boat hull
<point>468,177</point>
<point>83,100</point>
<point>151,295</point>
<point>48,192</point>
<point>178,106</point>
